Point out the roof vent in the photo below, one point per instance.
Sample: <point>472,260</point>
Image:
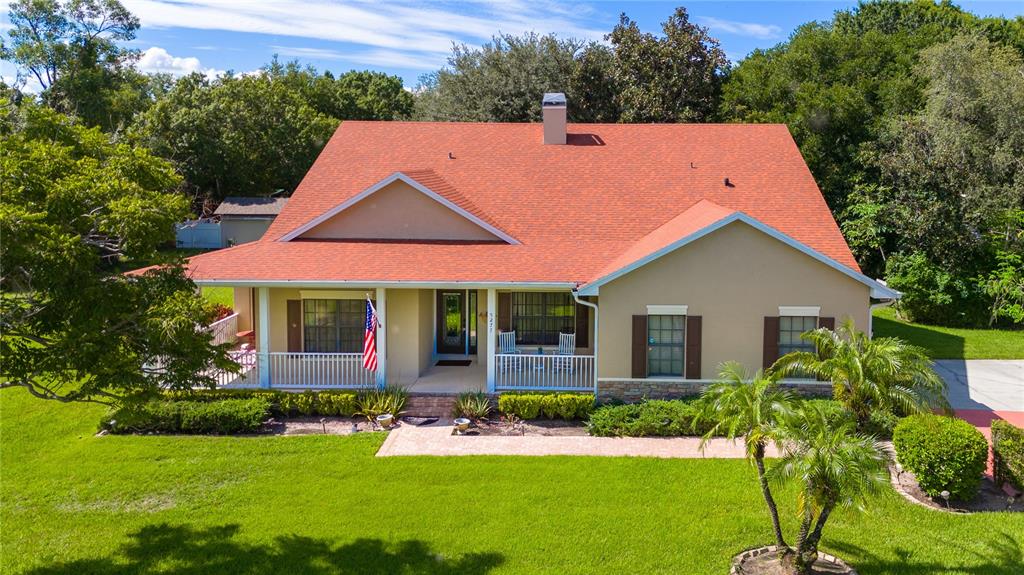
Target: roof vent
<point>553,110</point>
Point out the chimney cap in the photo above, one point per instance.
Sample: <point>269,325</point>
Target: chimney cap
<point>553,99</point>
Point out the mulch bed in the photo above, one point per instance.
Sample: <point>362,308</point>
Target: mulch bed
<point>319,426</point>
<point>764,561</point>
<point>990,497</point>
<point>542,427</point>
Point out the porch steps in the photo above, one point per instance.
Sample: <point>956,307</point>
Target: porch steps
<point>430,404</point>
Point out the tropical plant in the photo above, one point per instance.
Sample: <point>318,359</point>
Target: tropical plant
<point>472,404</point>
<point>867,374</point>
<point>834,465</point>
<point>752,408</point>
<point>380,401</point>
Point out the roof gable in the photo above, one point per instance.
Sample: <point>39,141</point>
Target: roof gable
<point>409,206</point>
<point>653,247</point>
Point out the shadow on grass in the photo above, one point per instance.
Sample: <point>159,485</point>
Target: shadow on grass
<point>1003,556</point>
<point>938,344</point>
<point>183,550</point>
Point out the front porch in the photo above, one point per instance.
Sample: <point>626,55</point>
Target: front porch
<point>431,340</point>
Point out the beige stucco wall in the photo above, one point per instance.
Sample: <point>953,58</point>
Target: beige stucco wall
<point>234,232</point>
<point>408,323</point>
<point>399,211</point>
<point>733,278</point>
<point>426,329</point>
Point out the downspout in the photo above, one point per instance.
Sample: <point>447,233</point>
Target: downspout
<point>576,296</point>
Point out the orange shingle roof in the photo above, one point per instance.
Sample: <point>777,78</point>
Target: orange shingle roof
<point>613,194</point>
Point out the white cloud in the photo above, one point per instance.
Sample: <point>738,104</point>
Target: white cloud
<point>156,60</point>
<point>408,34</point>
<point>377,57</point>
<point>760,31</point>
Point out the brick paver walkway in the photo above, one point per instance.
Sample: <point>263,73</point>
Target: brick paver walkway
<point>437,439</point>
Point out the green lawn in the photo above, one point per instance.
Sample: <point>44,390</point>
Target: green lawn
<point>951,342</point>
<point>222,295</point>
<point>76,503</point>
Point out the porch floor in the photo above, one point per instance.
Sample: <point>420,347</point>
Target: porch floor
<point>451,379</point>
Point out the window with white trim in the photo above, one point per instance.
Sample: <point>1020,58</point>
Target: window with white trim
<point>538,317</point>
<point>333,325</point>
<point>666,345</point>
<point>790,330</point>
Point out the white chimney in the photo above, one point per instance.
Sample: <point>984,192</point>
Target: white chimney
<point>553,109</point>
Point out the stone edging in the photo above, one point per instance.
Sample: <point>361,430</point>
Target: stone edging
<point>751,553</point>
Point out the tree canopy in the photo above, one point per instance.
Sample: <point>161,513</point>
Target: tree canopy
<point>639,77</point>
<point>73,329</point>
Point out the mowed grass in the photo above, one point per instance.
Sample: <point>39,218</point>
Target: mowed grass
<point>951,342</point>
<point>76,503</point>
<point>222,295</point>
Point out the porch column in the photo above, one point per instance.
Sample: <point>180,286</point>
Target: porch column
<point>263,344</point>
<point>382,338</point>
<point>492,310</point>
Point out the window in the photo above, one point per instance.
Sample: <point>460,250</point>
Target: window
<point>333,325</point>
<point>666,335</point>
<point>538,317</point>
<point>790,328</point>
<point>472,321</point>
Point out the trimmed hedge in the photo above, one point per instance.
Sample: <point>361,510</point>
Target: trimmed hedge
<point>550,405</point>
<point>1008,454</point>
<point>198,417</point>
<point>282,403</point>
<point>656,417</point>
<point>944,453</point>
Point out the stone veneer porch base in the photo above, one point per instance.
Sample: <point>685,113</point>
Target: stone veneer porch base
<point>633,390</point>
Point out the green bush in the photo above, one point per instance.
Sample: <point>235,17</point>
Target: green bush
<point>944,453</point>
<point>649,418</point>
<point>282,403</point>
<point>199,417</point>
<point>551,405</point>
<point>380,401</point>
<point>934,295</point>
<point>472,404</point>
<point>1008,454</point>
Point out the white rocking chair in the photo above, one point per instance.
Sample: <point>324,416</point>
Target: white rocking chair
<point>507,346</point>
<point>566,347</point>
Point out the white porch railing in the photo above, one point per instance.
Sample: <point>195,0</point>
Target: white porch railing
<point>548,372</point>
<point>224,330</point>
<point>300,370</point>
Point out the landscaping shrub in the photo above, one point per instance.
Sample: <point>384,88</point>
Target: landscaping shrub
<point>944,453</point>
<point>380,401</point>
<point>551,405</point>
<point>282,403</point>
<point>200,417</point>
<point>472,404</point>
<point>649,418</point>
<point>1008,454</point>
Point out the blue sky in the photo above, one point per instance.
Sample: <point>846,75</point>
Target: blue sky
<point>411,38</point>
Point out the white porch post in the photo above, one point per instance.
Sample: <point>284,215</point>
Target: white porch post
<point>492,308</point>
<point>263,349</point>
<point>382,338</point>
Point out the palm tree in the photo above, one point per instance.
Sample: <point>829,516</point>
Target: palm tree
<point>834,465</point>
<point>866,374</point>
<point>752,408</point>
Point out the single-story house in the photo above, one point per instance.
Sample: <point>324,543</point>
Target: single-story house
<point>626,259</point>
<point>244,220</point>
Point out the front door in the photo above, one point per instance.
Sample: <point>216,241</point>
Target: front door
<point>451,321</point>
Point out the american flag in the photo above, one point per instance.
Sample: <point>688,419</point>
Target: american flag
<point>370,339</point>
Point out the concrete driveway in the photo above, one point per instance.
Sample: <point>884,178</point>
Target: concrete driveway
<point>984,384</point>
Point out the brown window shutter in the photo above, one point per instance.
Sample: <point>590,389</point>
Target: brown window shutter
<point>504,311</point>
<point>639,346</point>
<point>829,322</point>
<point>771,341</point>
<point>295,326</point>
<point>693,346</point>
<point>582,326</point>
